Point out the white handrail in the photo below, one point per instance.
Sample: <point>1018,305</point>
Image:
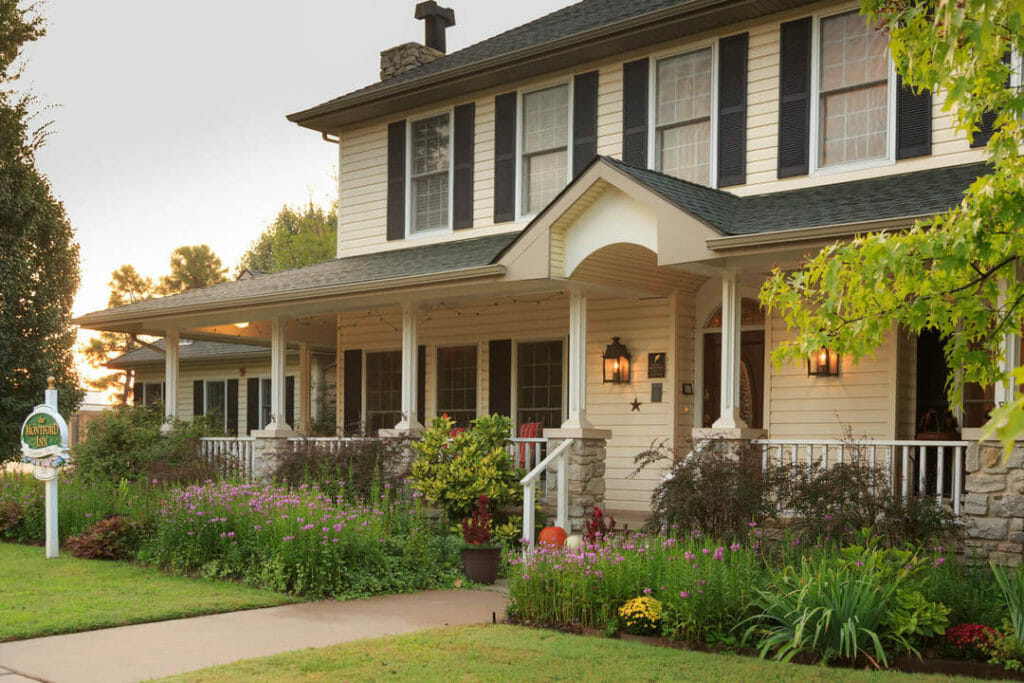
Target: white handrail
<point>529,483</point>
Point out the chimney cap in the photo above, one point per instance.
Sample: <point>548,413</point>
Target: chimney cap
<point>430,8</point>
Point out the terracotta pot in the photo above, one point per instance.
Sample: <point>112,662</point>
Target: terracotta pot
<point>481,564</point>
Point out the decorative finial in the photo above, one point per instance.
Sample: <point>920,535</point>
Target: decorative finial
<point>51,382</point>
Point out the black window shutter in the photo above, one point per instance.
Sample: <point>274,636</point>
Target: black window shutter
<point>987,126</point>
<point>505,157</point>
<point>289,400</point>
<point>634,112</point>
<point>584,121</point>
<point>913,121</point>
<point>795,98</point>
<point>500,377</point>
<point>462,156</point>
<point>396,180</point>
<point>198,407</point>
<point>732,110</point>
<point>352,413</point>
<point>421,383</point>
<point>252,404</point>
<point>232,416</point>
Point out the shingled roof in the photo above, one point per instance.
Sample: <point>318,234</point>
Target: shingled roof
<point>188,350</point>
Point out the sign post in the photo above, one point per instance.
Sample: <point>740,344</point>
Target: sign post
<point>44,444</point>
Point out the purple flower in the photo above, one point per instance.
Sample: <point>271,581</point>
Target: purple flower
<point>734,547</point>
<point>647,591</point>
<point>684,594</point>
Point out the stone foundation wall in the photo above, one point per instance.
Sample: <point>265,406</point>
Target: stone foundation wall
<point>993,508</point>
<point>585,481</point>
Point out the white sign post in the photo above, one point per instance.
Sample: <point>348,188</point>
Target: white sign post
<point>44,444</point>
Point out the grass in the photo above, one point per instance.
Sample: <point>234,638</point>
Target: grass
<point>66,594</point>
<point>505,653</point>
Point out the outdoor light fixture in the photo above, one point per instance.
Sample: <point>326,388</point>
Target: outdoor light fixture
<point>616,363</point>
<point>824,363</point>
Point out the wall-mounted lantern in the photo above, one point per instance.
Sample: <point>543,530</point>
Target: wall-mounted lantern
<point>823,363</point>
<point>616,362</point>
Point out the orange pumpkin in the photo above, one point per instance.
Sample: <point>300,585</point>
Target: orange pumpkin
<point>552,535</point>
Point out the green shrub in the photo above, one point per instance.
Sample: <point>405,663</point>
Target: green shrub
<point>454,472</point>
<point>346,470</point>
<point>127,443</point>
<point>113,538</point>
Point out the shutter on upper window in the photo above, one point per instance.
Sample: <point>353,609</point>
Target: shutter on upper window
<point>198,406</point>
<point>421,383</point>
<point>353,396</point>
<point>987,126</point>
<point>232,416</point>
<point>499,365</point>
<point>584,121</point>
<point>462,155</point>
<point>732,110</point>
<point>634,112</point>
<point>252,404</point>
<point>396,181</point>
<point>505,157</point>
<point>795,98</point>
<point>913,121</point>
<point>289,400</point>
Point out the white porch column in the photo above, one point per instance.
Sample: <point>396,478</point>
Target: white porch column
<point>729,417</point>
<point>1010,347</point>
<point>409,424</point>
<point>305,388</point>
<point>170,379</point>
<point>577,418</point>
<point>278,351</point>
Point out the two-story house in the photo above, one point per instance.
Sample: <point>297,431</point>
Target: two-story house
<point>569,222</point>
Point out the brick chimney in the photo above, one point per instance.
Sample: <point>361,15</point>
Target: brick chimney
<point>406,56</point>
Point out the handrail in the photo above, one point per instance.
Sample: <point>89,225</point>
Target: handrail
<point>543,464</point>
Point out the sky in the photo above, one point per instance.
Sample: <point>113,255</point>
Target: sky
<point>169,122</point>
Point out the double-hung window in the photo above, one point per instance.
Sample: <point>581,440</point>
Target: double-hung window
<point>853,91</point>
<point>383,390</point>
<point>149,393</point>
<point>545,146</point>
<point>456,383</point>
<point>215,404</point>
<point>264,403</point>
<point>429,174</point>
<point>539,383</point>
<point>682,115</point>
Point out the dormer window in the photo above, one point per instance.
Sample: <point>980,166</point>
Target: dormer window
<point>682,116</point>
<point>545,146</point>
<point>853,91</point>
<point>429,174</point>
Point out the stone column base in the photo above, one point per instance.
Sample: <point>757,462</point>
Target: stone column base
<point>993,507</point>
<point>267,451</point>
<point>586,465</point>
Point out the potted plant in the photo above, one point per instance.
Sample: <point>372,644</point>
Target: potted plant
<point>480,557</point>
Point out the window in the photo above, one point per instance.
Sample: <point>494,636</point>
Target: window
<point>215,404</point>
<point>149,393</point>
<point>383,390</point>
<point>682,116</point>
<point>539,383</point>
<point>264,403</point>
<point>545,161</point>
<point>853,99</point>
<point>429,173</point>
<point>456,383</point>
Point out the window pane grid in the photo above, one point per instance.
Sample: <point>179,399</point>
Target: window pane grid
<point>383,390</point>
<point>429,173</point>
<point>456,383</point>
<point>545,145</point>
<point>683,116</point>
<point>215,400</point>
<point>539,383</point>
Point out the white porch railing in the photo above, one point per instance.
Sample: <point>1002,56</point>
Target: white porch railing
<point>232,456</point>
<point>527,452</point>
<point>558,457</point>
<point>900,459</point>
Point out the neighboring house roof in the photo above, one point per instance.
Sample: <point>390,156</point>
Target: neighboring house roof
<point>904,195</point>
<point>188,350</point>
<point>434,259</point>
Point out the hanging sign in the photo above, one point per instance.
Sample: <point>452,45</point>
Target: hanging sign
<point>44,438</point>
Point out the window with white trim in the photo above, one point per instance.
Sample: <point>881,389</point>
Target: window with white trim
<point>539,383</point>
<point>429,173</point>
<point>264,416</point>
<point>149,393</point>
<point>545,146</point>
<point>456,383</point>
<point>682,115</point>
<point>383,390</point>
<point>215,403</point>
<point>853,91</point>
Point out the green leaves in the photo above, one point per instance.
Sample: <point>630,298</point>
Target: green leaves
<point>295,238</point>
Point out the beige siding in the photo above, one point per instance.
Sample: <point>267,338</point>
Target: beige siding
<point>363,158</point>
<point>906,385</point>
<point>861,398</point>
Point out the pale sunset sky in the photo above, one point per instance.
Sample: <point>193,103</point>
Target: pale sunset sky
<point>169,117</point>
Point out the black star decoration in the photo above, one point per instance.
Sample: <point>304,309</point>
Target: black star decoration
<point>635,405</point>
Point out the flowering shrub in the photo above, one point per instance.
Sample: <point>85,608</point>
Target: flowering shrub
<point>299,541</point>
<point>970,641</point>
<point>641,616</point>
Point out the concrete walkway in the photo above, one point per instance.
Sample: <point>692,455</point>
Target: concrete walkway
<point>143,651</point>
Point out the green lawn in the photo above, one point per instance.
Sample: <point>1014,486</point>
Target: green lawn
<point>42,597</point>
<point>506,653</point>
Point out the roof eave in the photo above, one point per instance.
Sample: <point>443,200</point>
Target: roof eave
<point>811,234</point>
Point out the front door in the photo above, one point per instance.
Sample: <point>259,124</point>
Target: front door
<point>751,378</point>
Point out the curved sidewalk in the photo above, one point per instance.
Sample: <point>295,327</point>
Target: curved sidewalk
<point>143,651</point>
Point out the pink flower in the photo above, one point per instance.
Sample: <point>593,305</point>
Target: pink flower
<point>647,591</point>
<point>684,594</point>
<point>734,547</point>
